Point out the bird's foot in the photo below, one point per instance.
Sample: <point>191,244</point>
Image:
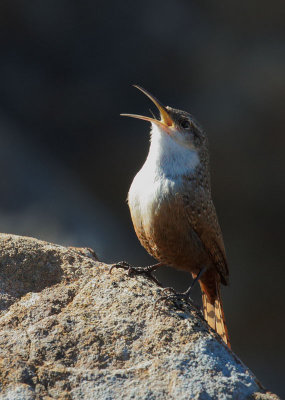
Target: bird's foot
<point>124,265</point>
<point>184,296</point>
<point>173,296</point>
<point>131,271</point>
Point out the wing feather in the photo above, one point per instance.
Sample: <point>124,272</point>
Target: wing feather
<point>203,220</point>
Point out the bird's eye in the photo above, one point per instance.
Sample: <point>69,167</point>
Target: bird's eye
<point>185,124</point>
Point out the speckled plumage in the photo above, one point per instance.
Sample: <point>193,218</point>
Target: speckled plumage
<point>173,213</point>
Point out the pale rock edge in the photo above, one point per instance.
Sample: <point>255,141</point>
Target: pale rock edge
<point>71,330</point>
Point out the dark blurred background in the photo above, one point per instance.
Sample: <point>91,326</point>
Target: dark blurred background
<point>67,158</point>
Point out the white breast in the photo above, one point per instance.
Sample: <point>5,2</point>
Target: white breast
<point>160,175</point>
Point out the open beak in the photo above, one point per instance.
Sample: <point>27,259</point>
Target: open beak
<point>165,120</point>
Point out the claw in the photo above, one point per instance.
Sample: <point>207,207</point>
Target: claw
<point>138,270</point>
<point>174,296</point>
<point>120,264</point>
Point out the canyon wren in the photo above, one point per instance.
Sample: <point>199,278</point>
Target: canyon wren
<point>172,209</point>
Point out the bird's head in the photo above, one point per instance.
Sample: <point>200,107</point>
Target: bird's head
<point>179,125</point>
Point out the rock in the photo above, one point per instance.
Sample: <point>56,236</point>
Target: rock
<point>71,330</point>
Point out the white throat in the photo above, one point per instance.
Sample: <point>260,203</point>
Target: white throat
<point>160,176</point>
<point>169,158</point>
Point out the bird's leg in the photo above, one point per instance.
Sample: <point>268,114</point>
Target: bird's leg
<point>187,292</point>
<point>138,270</point>
<point>184,295</point>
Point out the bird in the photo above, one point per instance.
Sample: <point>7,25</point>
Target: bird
<point>172,209</point>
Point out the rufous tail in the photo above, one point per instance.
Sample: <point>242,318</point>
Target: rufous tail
<point>214,313</point>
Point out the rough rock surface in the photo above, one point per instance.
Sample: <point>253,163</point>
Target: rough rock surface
<point>71,330</point>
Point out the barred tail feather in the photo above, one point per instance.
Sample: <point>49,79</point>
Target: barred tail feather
<point>214,313</point>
